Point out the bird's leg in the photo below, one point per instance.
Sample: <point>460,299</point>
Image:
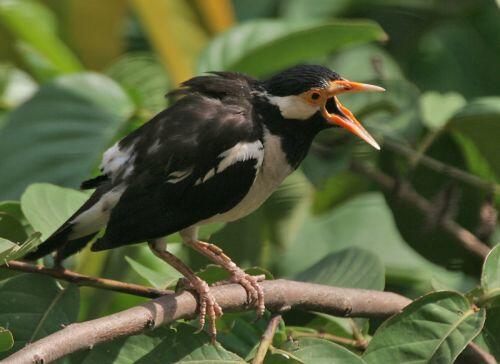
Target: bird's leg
<point>207,304</point>
<point>238,275</point>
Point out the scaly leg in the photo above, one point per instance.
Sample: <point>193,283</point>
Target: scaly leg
<point>207,304</point>
<point>249,282</point>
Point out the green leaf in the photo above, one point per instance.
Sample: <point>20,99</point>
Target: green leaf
<point>48,206</point>
<point>479,121</point>
<point>366,222</point>
<point>33,306</point>
<point>163,346</point>
<point>357,64</point>
<point>317,351</point>
<point>241,333</point>
<point>11,229</point>
<point>144,78</point>
<point>322,9</point>
<point>60,133</point>
<point>489,339</point>
<point>6,339</point>
<point>41,34</point>
<point>260,47</point>
<point>490,279</point>
<point>13,208</point>
<point>438,108</point>
<point>351,267</point>
<point>162,278</point>
<point>11,251</point>
<point>419,229</point>
<point>16,86</point>
<point>434,328</point>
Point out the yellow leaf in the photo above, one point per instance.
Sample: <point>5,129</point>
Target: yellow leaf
<point>95,28</point>
<point>174,33</point>
<point>217,14</point>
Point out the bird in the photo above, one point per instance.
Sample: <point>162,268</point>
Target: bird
<point>222,147</point>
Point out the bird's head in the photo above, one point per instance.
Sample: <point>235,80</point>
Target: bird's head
<point>303,92</point>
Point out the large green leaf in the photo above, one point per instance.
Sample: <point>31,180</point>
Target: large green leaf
<point>41,34</point>
<point>433,329</point>
<point>490,279</point>
<point>351,267</point>
<point>60,133</point>
<point>6,339</point>
<point>263,46</point>
<point>33,306</point>
<point>317,351</point>
<point>163,346</point>
<point>144,78</point>
<point>48,206</point>
<point>366,222</point>
<point>478,121</point>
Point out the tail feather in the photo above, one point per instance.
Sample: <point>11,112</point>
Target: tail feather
<point>62,238</point>
<point>56,240</point>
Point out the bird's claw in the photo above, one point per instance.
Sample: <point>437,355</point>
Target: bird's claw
<point>255,294</point>
<point>207,307</point>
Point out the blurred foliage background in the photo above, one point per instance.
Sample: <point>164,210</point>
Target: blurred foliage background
<point>77,75</point>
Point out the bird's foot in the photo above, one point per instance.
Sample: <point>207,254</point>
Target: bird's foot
<point>250,283</point>
<point>207,307</point>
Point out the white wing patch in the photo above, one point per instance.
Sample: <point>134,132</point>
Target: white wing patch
<point>96,217</point>
<point>178,176</point>
<point>239,153</point>
<point>115,159</point>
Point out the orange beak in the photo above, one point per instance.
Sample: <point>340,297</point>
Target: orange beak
<point>335,113</point>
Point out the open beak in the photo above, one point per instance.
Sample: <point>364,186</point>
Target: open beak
<point>335,113</point>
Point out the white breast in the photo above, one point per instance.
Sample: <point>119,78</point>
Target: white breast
<point>273,170</point>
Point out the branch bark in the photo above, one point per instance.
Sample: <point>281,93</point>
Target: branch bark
<point>463,236</point>
<point>83,280</point>
<point>280,293</point>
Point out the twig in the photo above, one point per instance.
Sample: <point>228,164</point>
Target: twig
<point>164,310</point>
<point>473,353</point>
<point>441,167</point>
<point>358,335</point>
<point>463,236</point>
<point>83,280</point>
<point>267,339</point>
<point>337,339</point>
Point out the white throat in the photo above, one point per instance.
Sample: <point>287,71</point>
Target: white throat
<point>293,107</point>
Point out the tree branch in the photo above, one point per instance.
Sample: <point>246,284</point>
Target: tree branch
<point>438,166</point>
<point>83,280</point>
<point>463,236</point>
<point>164,310</point>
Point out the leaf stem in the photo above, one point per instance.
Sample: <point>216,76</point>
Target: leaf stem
<point>358,344</point>
<point>267,339</point>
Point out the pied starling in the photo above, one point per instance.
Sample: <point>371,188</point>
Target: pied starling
<point>216,154</point>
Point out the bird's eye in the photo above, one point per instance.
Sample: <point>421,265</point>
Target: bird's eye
<point>315,96</point>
